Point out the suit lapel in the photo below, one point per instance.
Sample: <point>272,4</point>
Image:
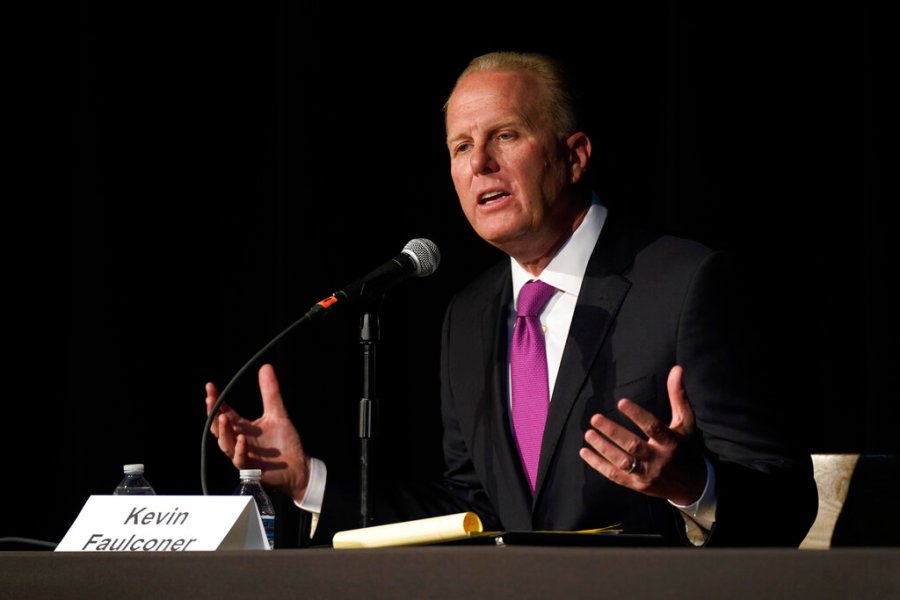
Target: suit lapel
<point>601,295</point>
<point>494,340</point>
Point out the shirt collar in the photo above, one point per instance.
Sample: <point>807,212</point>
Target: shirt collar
<point>566,269</point>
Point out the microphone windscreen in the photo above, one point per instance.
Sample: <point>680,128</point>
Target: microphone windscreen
<point>425,254</point>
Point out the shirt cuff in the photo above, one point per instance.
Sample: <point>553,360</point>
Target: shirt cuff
<point>315,490</point>
<point>703,511</point>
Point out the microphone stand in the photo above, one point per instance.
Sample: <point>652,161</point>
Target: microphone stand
<point>369,336</point>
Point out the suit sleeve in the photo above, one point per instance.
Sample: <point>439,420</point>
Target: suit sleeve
<point>766,491</point>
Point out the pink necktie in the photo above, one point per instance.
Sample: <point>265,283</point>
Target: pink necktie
<point>528,375</point>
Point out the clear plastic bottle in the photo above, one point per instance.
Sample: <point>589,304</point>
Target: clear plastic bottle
<point>250,485</point>
<point>134,483</point>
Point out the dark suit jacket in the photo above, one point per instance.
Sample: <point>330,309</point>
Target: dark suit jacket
<point>647,303</point>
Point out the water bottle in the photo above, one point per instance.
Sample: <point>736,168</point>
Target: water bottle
<point>134,483</point>
<point>251,486</point>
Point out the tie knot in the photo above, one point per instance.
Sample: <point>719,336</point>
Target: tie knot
<point>533,297</point>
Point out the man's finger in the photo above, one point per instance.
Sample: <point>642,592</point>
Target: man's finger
<point>682,413</point>
<point>240,458</point>
<point>270,390</point>
<point>225,435</point>
<point>628,442</point>
<point>597,462</point>
<point>646,421</point>
<point>211,396</point>
<point>609,451</point>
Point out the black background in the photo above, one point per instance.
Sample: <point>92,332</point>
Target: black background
<point>225,165</point>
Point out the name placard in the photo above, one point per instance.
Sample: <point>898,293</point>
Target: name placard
<point>165,524</point>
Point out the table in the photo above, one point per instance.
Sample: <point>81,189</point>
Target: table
<point>457,572</point>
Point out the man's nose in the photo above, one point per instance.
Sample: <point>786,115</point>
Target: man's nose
<point>482,161</point>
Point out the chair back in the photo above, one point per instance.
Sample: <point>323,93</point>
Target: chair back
<point>859,496</point>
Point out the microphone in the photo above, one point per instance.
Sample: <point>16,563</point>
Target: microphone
<point>419,257</point>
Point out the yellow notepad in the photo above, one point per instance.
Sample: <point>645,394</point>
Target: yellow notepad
<point>407,533</point>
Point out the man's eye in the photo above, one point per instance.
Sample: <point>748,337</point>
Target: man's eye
<point>505,137</point>
<point>463,148</point>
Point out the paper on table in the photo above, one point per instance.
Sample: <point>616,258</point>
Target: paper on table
<point>407,533</point>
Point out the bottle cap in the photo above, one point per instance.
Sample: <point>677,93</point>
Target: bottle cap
<point>136,468</point>
<point>251,473</point>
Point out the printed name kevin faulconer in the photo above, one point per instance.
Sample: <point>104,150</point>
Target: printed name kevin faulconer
<point>134,543</point>
<point>173,517</point>
<point>141,516</point>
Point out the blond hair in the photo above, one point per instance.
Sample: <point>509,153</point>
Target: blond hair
<point>559,94</point>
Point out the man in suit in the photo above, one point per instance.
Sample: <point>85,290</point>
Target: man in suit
<point>655,415</point>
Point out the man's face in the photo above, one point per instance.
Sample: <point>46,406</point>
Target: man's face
<point>508,165</point>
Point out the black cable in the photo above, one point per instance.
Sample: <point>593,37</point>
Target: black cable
<point>29,541</point>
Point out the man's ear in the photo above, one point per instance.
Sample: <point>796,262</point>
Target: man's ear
<point>579,155</point>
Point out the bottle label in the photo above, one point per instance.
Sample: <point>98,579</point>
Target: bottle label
<point>268,522</point>
<point>134,491</point>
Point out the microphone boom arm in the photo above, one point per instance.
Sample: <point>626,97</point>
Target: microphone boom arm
<point>419,257</point>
